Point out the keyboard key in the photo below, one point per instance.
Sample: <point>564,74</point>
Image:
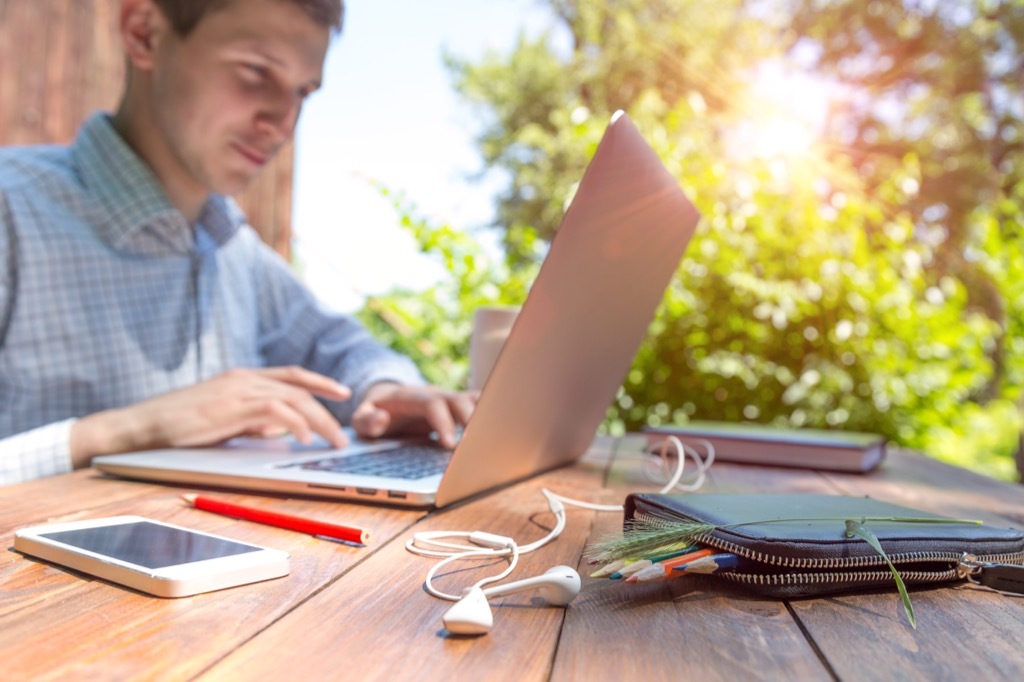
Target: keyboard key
<point>408,462</point>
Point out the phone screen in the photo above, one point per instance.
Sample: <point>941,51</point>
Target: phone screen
<point>148,544</point>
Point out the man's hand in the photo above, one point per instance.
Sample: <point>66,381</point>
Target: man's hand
<point>237,402</point>
<point>390,409</point>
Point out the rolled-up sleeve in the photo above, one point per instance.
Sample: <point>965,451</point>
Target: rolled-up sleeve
<point>43,451</point>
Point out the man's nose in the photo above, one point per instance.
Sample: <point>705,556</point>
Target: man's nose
<point>281,116</point>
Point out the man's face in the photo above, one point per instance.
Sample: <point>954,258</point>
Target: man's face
<point>226,97</point>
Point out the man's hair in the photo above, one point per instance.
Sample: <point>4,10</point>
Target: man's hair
<point>185,15</point>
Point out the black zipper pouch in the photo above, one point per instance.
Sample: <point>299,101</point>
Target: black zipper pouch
<point>799,545</point>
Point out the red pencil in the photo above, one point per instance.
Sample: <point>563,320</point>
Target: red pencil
<point>296,523</point>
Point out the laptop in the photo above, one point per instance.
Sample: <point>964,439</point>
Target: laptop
<point>572,343</point>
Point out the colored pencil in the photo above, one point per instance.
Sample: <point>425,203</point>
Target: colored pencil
<point>716,563</point>
<point>296,523</point>
<point>640,564</point>
<point>663,569</point>
<point>613,567</point>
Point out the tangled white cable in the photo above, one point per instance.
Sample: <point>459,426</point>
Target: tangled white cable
<point>483,545</point>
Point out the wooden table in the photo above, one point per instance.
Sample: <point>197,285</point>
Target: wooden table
<point>362,613</point>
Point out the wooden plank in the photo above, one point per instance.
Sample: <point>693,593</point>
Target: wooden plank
<point>921,482</point>
<point>59,71</point>
<point>81,17</point>
<point>267,202</point>
<point>865,635</point>
<point>7,89</point>
<point>111,632</point>
<point>11,97</point>
<point>964,631</point>
<point>84,491</point>
<point>103,78</point>
<point>58,62</point>
<point>376,621</point>
<point>379,623</point>
<point>692,627</point>
<point>281,240</point>
<point>28,20</point>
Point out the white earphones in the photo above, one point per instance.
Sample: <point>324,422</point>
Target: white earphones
<point>472,615</point>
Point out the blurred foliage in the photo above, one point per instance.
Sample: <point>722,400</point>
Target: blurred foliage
<point>869,277</point>
<point>433,326</point>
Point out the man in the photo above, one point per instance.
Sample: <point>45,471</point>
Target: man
<point>134,296</point>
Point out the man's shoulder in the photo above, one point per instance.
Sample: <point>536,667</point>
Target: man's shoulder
<point>30,167</point>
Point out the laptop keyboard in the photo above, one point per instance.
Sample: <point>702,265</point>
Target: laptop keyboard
<point>408,462</point>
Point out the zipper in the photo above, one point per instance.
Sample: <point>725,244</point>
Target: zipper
<point>847,578</point>
<point>956,560</point>
<point>1002,576</point>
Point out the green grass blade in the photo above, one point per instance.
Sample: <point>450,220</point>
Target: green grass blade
<point>858,529</point>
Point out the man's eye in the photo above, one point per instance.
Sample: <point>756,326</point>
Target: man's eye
<point>254,72</point>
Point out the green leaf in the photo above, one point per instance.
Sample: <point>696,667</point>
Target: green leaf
<point>859,530</point>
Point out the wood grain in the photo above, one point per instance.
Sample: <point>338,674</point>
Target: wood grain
<point>917,481</point>
<point>690,627</point>
<point>379,623</point>
<point>110,632</point>
<point>363,613</point>
<point>963,631</point>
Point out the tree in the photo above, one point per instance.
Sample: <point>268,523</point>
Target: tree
<point>868,280</point>
<point>953,72</point>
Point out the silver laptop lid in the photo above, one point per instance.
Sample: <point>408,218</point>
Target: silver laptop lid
<point>587,312</point>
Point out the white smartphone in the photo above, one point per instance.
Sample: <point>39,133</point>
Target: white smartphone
<point>151,556</point>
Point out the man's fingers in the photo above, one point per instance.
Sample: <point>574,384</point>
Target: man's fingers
<point>391,409</point>
<point>370,421</point>
<point>318,384</point>
<point>440,419</point>
<point>276,412</point>
<point>462,406</point>
<point>321,420</point>
<point>302,418</point>
<point>315,417</point>
<point>236,402</point>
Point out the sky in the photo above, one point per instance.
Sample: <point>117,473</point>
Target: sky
<point>387,111</point>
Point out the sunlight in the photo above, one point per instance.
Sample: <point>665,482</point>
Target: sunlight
<point>783,114</point>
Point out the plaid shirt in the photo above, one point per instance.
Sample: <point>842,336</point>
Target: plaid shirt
<point>108,297</point>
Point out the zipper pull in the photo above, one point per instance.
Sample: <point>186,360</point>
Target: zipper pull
<point>1001,577</point>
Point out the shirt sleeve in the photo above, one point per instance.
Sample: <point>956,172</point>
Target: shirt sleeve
<point>295,328</point>
<point>44,451</point>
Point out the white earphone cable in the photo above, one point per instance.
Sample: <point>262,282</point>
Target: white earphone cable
<point>431,544</point>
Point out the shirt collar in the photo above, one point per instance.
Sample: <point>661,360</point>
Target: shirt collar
<point>132,196</point>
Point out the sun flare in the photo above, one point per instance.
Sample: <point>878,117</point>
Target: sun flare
<point>783,114</point>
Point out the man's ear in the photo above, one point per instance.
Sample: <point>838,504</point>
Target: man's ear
<point>142,26</point>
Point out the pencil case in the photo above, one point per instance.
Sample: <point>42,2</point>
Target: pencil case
<point>798,545</point>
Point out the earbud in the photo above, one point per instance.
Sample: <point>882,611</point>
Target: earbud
<point>471,615</point>
<point>559,585</point>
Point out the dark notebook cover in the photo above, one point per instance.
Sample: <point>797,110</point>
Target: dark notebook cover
<point>773,446</point>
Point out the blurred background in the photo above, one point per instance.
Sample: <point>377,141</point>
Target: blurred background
<point>860,263</point>
<point>858,164</point>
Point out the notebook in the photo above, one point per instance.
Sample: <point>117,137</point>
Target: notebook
<point>774,446</point>
<point>604,275</point>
